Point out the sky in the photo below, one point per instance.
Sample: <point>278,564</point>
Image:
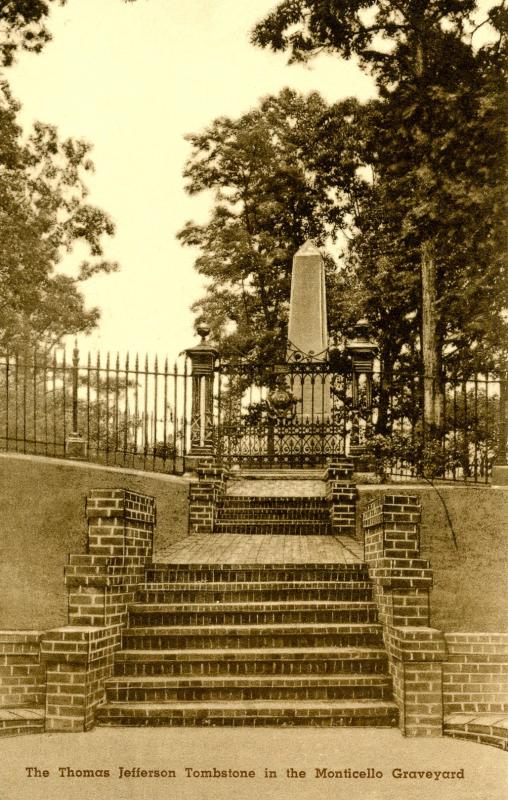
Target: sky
<point>133,79</point>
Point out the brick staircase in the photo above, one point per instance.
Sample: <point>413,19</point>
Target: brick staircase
<point>273,515</point>
<point>259,644</point>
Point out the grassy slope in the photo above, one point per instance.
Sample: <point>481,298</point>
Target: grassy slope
<point>42,520</point>
<point>470,582</point>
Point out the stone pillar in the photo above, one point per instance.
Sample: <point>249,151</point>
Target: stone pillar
<point>308,333</point>
<point>101,585</point>
<point>341,493</point>
<point>202,358</point>
<point>401,581</point>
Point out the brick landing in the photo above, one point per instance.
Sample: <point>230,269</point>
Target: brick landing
<point>284,487</point>
<point>230,548</point>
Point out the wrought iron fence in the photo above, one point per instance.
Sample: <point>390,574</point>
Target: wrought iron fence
<point>303,415</point>
<point>144,413</point>
<point>280,415</point>
<point>131,413</point>
<point>471,432</point>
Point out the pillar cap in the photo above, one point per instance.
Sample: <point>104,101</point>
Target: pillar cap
<point>204,347</point>
<point>362,345</point>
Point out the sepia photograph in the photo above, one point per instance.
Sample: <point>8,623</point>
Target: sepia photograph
<point>253,400</point>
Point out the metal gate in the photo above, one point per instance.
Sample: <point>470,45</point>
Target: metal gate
<point>282,415</point>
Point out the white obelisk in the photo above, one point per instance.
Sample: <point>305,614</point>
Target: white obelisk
<point>308,333</point>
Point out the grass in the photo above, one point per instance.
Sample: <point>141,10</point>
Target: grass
<point>42,520</point>
<point>470,579</point>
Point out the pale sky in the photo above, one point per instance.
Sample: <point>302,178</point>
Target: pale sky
<point>133,79</point>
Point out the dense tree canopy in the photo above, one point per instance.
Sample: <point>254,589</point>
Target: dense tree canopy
<point>390,38</point>
<point>435,145</point>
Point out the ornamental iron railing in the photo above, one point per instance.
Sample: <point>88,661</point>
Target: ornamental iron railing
<point>131,413</point>
<point>149,414</point>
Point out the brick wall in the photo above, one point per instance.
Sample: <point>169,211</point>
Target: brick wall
<point>475,674</point>
<point>79,660</point>
<point>434,674</point>
<point>22,676</point>
<point>401,583</point>
<point>65,668</point>
<point>101,583</point>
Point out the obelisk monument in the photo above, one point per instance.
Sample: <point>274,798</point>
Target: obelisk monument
<point>308,333</point>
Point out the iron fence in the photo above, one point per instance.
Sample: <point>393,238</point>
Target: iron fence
<point>303,415</point>
<point>131,413</point>
<point>139,413</point>
<point>471,427</point>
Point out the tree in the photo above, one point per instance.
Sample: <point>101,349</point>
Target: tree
<point>270,196</point>
<point>43,214</point>
<point>43,207</point>
<point>437,153</point>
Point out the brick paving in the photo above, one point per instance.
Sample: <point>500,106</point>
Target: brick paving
<point>284,487</point>
<point>230,548</point>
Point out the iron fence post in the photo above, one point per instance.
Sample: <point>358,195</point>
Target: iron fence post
<point>362,350</point>
<point>75,444</point>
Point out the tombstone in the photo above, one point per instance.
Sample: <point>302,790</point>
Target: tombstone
<point>308,334</point>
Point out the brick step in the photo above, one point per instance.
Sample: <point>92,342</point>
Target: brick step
<point>21,719</point>
<point>246,592</point>
<point>187,573</point>
<point>270,517</point>
<point>260,514</point>
<point>267,501</point>
<point>252,613</point>
<point>483,728</point>
<point>341,713</point>
<point>255,636</point>
<point>276,511</point>
<point>262,661</point>
<point>278,473</point>
<point>226,687</point>
<point>276,527</point>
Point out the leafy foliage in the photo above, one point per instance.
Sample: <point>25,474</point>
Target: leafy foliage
<point>270,197</point>
<point>44,213</point>
<point>433,148</point>
<point>23,26</point>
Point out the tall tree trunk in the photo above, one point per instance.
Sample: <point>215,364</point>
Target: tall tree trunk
<point>431,355</point>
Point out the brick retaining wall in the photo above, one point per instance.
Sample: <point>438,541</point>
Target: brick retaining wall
<point>434,674</point>
<point>65,668</point>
